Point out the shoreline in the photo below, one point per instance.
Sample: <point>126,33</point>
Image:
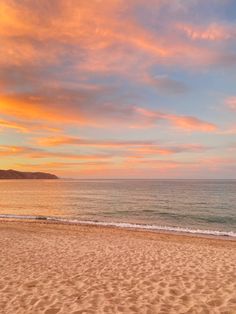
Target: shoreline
<point>116,226</point>
<point>212,234</point>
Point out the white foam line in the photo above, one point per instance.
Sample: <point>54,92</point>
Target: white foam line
<point>126,225</point>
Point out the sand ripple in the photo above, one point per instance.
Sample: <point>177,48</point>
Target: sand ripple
<point>66,269</point>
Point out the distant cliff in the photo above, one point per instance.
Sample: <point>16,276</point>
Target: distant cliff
<point>13,174</point>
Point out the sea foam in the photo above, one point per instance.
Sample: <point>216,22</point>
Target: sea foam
<point>124,225</point>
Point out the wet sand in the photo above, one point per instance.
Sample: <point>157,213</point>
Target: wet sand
<point>55,268</point>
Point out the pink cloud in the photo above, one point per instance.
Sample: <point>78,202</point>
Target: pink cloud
<point>186,123</point>
<point>230,102</point>
<point>211,32</point>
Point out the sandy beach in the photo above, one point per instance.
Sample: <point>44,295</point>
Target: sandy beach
<point>54,268</point>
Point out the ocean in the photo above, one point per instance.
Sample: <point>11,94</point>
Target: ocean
<point>196,206</point>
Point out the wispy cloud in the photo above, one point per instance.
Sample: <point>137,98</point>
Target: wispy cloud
<point>124,148</point>
<point>230,103</point>
<point>166,84</point>
<point>35,153</point>
<point>84,108</point>
<point>211,32</point>
<point>145,75</point>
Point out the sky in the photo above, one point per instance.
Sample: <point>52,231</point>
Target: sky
<point>119,88</point>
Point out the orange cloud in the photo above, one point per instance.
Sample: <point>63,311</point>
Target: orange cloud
<point>67,65</point>
<point>104,35</point>
<point>153,150</point>
<point>123,148</point>
<point>67,140</point>
<point>183,122</point>
<point>34,153</point>
<point>131,166</point>
<point>135,167</point>
<point>32,107</point>
<point>56,165</point>
<point>77,107</point>
<point>64,169</point>
<point>10,150</point>
<point>12,125</point>
<point>22,126</point>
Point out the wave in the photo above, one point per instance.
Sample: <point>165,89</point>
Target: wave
<point>125,225</point>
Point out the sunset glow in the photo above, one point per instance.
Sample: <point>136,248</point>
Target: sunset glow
<point>119,89</point>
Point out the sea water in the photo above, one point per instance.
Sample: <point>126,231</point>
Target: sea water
<point>197,206</point>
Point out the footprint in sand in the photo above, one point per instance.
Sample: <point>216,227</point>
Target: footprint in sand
<point>52,311</point>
